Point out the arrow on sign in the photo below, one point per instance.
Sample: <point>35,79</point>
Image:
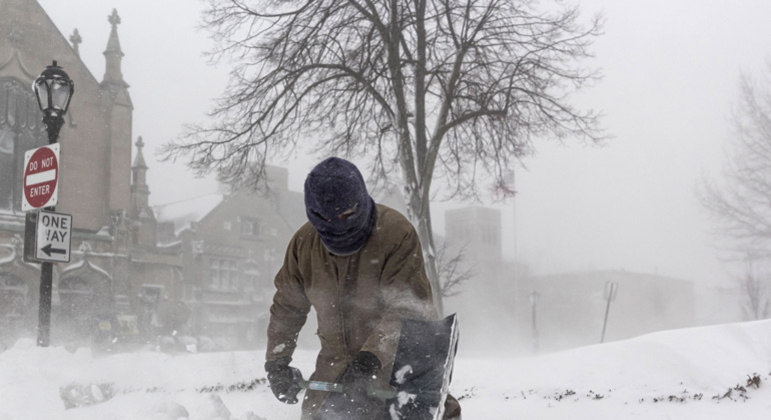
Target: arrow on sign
<point>48,249</point>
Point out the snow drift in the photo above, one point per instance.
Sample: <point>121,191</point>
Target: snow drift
<point>721,371</point>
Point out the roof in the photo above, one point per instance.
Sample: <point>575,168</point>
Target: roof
<point>183,212</point>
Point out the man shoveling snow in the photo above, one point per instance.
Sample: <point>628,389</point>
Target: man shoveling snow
<point>360,266</point>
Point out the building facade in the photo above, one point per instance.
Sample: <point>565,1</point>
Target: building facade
<point>232,244</point>
<point>108,286</point>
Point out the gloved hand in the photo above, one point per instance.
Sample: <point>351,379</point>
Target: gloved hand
<point>361,372</point>
<point>365,365</point>
<point>283,379</point>
<point>354,402</point>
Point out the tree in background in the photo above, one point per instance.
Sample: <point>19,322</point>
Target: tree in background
<point>755,291</point>
<point>741,206</point>
<point>447,89</point>
<point>452,270</point>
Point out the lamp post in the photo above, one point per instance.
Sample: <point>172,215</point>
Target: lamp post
<point>53,89</point>
<point>533,303</point>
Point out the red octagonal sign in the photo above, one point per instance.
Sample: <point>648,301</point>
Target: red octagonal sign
<point>41,174</point>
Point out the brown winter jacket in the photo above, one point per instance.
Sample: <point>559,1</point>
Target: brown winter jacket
<point>359,299</point>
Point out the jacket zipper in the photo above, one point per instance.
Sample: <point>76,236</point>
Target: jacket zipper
<point>341,283</point>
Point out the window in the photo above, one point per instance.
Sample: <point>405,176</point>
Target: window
<point>151,294</point>
<point>20,130</point>
<point>214,273</point>
<point>250,226</point>
<point>223,274</point>
<point>252,285</point>
<point>229,275</point>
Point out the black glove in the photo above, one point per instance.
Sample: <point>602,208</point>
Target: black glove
<point>284,380</point>
<point>365,365</point>
<point>360,373</point>
<point>353,402</point>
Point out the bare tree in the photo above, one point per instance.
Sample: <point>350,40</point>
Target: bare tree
<point>453,270</point>
<point>447,88</point>
<point>741,204</point>
<point>754,288</point>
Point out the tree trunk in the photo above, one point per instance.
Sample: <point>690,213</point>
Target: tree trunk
<point>420,213</point>
<point>426,233</point>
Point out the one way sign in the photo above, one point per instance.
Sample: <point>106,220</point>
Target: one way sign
<point>54,231</point>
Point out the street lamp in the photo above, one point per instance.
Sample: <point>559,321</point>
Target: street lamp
<point>53,89</point>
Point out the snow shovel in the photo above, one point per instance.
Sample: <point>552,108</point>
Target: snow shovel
<point>422,371</point>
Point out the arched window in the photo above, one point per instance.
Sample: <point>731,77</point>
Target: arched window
<point>20,130</point>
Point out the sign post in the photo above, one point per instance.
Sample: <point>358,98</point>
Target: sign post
<point>46,234</point>
<point>611,288</point>
<point>53,89</point>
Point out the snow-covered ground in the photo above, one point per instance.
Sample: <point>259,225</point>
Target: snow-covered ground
<point>716,372</point>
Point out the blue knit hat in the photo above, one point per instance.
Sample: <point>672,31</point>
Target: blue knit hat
<point>338,205</point>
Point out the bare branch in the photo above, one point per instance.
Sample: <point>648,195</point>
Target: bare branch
<point>443,88</point>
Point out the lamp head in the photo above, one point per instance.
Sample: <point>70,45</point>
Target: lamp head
<point>53,89</point>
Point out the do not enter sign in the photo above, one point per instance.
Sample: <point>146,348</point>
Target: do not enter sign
<point>41,176</point>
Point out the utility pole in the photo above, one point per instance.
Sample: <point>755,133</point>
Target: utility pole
<point>611,287</point>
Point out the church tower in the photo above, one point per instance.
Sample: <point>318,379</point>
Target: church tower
<point>144,233</point>
<point>119,109</point>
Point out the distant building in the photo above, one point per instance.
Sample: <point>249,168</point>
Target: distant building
<point>478,230</point>
<point>485,302</point>
<point>518,311</point>
<point>231,249</point>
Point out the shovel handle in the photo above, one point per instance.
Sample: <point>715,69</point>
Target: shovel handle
<point>379,393</point>
<point>321,386</point>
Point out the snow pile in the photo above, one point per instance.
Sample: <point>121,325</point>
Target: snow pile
<point>718,372</point>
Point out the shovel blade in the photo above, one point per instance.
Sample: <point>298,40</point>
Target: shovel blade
<point>423,368</point>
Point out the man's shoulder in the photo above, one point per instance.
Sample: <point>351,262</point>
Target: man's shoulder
<point>389,214</point>
<point>304,235</point>
<point>391,220</point>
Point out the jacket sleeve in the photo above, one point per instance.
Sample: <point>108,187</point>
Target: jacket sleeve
<point>406,293</point>
<point>290,307</point>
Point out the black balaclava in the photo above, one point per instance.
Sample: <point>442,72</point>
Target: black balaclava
<point>338,205</point>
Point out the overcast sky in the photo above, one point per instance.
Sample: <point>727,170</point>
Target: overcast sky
<point>671,71</point>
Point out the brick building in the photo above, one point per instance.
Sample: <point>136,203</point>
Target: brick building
<point>232,244</point>
<point>116,266</point>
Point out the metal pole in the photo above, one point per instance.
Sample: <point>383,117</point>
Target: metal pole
<point>44,310</point>
<point>605,322</point>
<point>611,287</point>
<point>53,106</point>
<point>53,124</point>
